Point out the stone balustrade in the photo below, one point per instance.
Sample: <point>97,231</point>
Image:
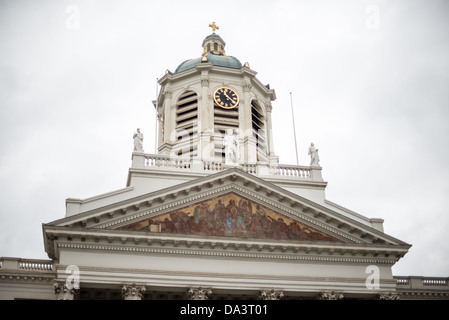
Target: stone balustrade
<point>164,162</point>
<point>155,160</point>
<point>419,283</point>
<point>415,287</point>
<point>31,265</point>
<point>301,172</point>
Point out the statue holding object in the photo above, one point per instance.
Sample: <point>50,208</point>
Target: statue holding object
<point>314,158</point>
<point>138,141</point>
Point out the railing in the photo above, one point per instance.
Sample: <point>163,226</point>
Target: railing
<point>154,160</point>
<point>249,168</point>
<point>31,265</point>
<point>203,165</point>
<point>435,282</point>
<point>35,265</point>
<point>293,171</point>
<point>414,282</point>
<point>212,166</point>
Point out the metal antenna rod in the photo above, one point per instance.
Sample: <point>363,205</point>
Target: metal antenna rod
<point>294,130</point>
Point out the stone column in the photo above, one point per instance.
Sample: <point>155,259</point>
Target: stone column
<point>133,292</point>
<point>199,293</point>
<point>269,130</point>
<point>64,292</point>
<point>245,126</point>
<point>271,294</point>
<point>168,122</point>
<point>331,295</point>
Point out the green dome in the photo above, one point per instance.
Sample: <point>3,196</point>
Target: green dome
<point>216,60</point>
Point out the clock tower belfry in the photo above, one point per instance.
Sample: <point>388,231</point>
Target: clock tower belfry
<point>214,108</point>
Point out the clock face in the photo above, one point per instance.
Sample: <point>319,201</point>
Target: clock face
<point>226,98</point>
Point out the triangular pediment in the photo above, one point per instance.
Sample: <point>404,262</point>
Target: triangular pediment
<point>229,215</point>
<point>229,204</point>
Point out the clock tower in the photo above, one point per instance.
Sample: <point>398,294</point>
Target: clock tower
<point>210,100</point>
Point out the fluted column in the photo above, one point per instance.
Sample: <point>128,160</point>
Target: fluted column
<point>199,293</point>
<point>133,292</point>
<point>271,294</point>
<point>64,292</point>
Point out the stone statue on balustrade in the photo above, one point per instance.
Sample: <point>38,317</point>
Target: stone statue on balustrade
<point>138,141</point>
<point>231,146</point>
<point>314,158</point>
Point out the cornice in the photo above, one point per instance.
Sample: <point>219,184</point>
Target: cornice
<point>234,253</point>
<point>215,246</point>
<point>27,276</point>
<point>210,68</point>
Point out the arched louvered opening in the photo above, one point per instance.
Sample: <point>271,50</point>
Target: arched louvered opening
<point>224,119</point>
<point>258,126</point>
<point>186,123</point>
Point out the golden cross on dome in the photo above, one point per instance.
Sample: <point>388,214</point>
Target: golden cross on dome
<point>214,27</point>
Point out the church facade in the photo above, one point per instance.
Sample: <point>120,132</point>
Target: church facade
<point>214,215</point>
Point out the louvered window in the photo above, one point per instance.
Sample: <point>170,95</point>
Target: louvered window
<point>186,122</point>
<point>258,125</point>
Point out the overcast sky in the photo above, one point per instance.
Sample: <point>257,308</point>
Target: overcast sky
<point>369,82</point>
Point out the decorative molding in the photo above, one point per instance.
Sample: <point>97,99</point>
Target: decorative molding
<point>240,251</point>
<point>204,82</point>
<point>198,293</point>
<point>27,277</point>
<point>168,94</point>
<point>133,292</point>
<point>331,295</point>
<point>271,294</point>
<point>388,296</point>
<point>63,292</point>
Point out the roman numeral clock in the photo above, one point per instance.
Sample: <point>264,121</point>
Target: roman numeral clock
<point>226,98</point>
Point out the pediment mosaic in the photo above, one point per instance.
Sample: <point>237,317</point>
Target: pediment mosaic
<point>230,215</point>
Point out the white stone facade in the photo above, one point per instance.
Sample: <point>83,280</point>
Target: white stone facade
<point>91,249</point>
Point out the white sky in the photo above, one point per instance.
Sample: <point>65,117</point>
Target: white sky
<point>370,84</point>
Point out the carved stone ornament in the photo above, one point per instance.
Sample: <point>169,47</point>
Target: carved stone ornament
<point>271,294</point>
<point>133,292</point>
<point>388,296</point>
<point>199,293</point>
<point>63,292</point>
<point>204,82</point>
<point>331,295</point>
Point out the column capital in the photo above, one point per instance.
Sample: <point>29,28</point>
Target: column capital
<point>168,93</point>
<point>133,292</point>
<point>205,82</point>
<point>247,87</point>
<point>64,292</point>
<point>331,295</point>
<point>388,296</point>
<point>199,293</point>
<point>271,294</point>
